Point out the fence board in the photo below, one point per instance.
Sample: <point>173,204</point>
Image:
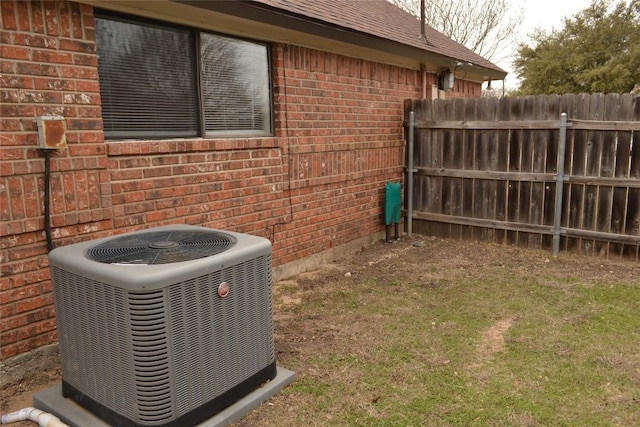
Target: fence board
<point>552,137</point>
<point>501,166</point>
<point>454,153</point>
<point>486,170</point>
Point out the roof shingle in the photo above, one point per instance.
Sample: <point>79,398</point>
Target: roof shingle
<point>381,19</point>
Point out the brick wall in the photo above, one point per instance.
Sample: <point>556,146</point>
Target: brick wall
<point>317,183</point>
<point>345,140</point>
<point>48,67</point>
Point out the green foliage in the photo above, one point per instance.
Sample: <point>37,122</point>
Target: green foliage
<point>598,50</point>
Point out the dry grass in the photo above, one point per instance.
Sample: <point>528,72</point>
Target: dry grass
<point>459,333</point>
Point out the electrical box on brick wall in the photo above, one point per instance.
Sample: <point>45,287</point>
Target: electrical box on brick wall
<point>52,132</point>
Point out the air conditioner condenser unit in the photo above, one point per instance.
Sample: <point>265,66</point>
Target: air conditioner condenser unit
<point>164,327</point>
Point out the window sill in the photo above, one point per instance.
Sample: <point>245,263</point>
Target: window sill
<point>168,146</point>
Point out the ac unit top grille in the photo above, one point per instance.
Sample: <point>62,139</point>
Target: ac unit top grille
<point>161,247</point>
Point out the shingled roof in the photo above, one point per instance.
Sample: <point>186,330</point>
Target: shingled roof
<point>382,19</point>
<point>374,24</point>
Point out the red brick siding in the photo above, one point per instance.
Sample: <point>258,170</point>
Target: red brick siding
<point>316,184</point>
<point>465,89</point>
<point>48,68</point>
<point>345,140</point>
<point>236,186</point>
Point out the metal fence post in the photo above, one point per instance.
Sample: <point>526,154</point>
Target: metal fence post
<point>557,223</point>
<point>410,175</point>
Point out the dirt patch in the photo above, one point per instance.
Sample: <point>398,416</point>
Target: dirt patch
<point>493,339</point>
<point>19,394</point>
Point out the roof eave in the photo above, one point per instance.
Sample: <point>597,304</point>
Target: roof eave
<point>285,19</point>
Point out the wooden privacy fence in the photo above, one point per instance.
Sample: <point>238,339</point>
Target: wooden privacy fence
<point>489,169</point>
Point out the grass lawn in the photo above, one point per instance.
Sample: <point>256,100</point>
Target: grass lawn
<point>458,334</point>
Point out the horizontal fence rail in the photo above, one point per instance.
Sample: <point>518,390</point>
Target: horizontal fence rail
<point>529,124</point>
<point>546,171</point>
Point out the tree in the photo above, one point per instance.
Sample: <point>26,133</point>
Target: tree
<point>487,27</point>
<point>598,50</point>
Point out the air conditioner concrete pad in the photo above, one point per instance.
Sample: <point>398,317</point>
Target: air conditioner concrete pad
<point>52,401</point>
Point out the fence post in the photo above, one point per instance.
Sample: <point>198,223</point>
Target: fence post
<point>557,223</point>
<point>410,175</point>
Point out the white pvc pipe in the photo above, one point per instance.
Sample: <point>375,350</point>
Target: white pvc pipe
<point>44,419</point>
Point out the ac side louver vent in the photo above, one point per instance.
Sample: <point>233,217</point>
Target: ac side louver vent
<point>161,247</point>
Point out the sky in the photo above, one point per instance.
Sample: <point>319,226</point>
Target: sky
<point>545,14</point>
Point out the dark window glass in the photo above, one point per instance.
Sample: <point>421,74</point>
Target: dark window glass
<point>147,80</point>
<point>235,85</point>
<point>150,86</point>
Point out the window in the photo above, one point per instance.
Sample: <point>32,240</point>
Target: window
<point>162,81</point>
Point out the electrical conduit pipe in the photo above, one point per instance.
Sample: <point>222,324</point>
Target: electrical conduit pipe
<point>44,419</point>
